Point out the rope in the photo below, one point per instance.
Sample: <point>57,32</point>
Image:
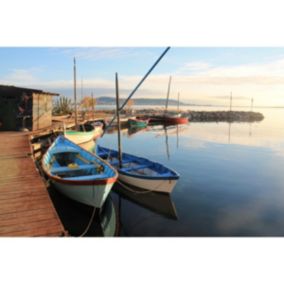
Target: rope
<point>90,222</point>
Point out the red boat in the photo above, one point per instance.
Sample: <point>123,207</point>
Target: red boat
<point>166,119</point>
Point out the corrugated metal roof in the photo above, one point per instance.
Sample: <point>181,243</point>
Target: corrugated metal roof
<point>22,89</point>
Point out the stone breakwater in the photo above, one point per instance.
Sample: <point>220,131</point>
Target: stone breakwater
<point>207,116</point>
<point>228,116</point>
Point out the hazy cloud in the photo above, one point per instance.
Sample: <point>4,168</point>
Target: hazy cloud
<point>101,53</point>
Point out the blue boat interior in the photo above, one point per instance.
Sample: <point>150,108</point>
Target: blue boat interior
<point>66,160</point>
<point>137,166</point>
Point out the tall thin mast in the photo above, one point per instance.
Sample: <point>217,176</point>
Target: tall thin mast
<point>178,102</point>
<point>93,107</point>
<point>118,120</point>
<point>231,97</point>
<point>168,94</point>
<point>75,95</point>
<point>137,87</point>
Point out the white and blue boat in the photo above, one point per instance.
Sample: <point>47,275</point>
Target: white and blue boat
<point>77,173</point>
<point>140,172</point>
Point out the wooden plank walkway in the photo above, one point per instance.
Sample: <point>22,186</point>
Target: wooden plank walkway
<point>25,206</point>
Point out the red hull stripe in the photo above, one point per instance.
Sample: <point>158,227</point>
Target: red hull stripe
<point>82,182</point>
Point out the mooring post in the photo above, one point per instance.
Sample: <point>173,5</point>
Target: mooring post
<point>93,107</point>
<point>118,120</point>
<point>75,95</point>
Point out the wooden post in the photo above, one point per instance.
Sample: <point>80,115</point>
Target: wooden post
<point>137,87</point>
<point>93,107</point>
<point>231,102</point>
<point>75,95</point>
<point>167,142</point>
<point>168,94</point>
<point>118,121</point>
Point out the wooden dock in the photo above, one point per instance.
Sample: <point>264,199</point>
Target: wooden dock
<point>25,206</point>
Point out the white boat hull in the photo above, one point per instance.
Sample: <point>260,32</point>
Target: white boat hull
<point>157,185</point>
<point>93,195</point>
<point>83,137</point>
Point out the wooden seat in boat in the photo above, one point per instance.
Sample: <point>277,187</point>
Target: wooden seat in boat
<point>58,170</point>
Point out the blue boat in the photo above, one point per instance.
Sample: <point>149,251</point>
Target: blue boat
<point>77,173</point>
<point>140,172</point>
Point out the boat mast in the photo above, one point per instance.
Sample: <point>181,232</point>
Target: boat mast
<point>118,121</point>
<point>93,107</point>
<point>178,103</point>
<point>168,94</point>
<point>138,85</point>
<point>75,95</point>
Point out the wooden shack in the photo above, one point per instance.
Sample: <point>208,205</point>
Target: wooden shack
<point>25,108</point>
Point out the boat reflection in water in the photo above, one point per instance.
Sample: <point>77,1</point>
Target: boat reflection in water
<point>160,203</point>
<point>132,130</point>
<point>75,216</point>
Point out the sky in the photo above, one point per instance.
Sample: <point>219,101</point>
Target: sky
<point>202,75</point>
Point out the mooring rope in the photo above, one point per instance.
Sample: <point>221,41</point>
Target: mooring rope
<point>90,222</point>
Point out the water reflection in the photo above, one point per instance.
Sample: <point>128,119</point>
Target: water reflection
<point>76,216</point>
<point>133,130</point>
<point>231,180</point>
<point>160,203</point>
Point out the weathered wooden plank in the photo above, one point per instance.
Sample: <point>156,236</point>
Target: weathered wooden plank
<point>16,187</point>
<point>35,226</point>
<point>25,206</point>
<point>27,219</point>
<point>24,203</point>
<point>22,214</point>
<point>8,195</point>
<point>42,232</point>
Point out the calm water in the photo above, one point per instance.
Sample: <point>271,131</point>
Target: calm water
<point>231,184</point>
<point>232,181</point>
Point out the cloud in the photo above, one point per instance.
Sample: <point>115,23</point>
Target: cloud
<point>21,76</point>
<point>199,82</point>
<point>270,73</point>
<point>193,67</point>
<point>101,53</point>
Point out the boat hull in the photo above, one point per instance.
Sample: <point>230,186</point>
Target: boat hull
<point>77,173</point>
<point>137,123</point>
<point>156,185</point>
<point>176,120</point>
<point>92,195</point>
<point>169,120</point>
<point>80,138</point>
<point>141,172</point>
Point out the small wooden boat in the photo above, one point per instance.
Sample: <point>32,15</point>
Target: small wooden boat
<point>140,172</point>
<point>168,119</point>
<point>77,173</point>
<point>138,123</point>
<point>86,133</point>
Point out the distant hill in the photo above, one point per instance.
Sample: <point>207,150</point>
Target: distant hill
<point>111,101</point>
